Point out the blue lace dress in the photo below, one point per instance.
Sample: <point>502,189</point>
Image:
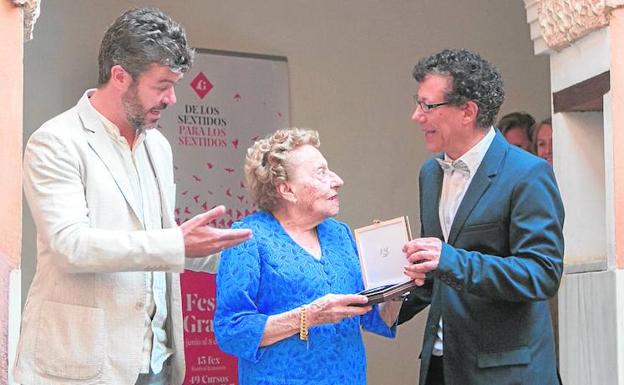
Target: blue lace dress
<point>271,274</point>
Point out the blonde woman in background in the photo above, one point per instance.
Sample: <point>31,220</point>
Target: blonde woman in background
<point>542,140</point>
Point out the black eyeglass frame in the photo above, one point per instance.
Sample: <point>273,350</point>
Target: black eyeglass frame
<point>426,107</point>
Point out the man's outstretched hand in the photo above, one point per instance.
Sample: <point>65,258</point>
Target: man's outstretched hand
<point>201,240</point>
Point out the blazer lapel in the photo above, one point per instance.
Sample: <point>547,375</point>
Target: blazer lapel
<point>480,183</point>
<point>100,142</point>
<point>166,205</point>
<point>431,189</point>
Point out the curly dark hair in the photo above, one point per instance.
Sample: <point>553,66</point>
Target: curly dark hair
<point>141,37</point>
<point>473,78</point>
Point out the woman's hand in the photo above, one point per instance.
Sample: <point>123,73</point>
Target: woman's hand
<point>330,308</point>
<point>333,308</point>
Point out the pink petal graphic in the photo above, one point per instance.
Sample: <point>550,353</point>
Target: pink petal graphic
<point>229,170</point>
<point>235,143</point>
<point>197,179</point>
<point>209,165</point>
<point>196,198</point>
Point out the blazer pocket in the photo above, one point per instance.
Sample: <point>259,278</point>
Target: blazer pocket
<point>482,227</point>
<point>70,341</point>
<point>519,356</point>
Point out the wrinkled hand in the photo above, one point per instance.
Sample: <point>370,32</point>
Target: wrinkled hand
<point>201,240</point>
<point>333,308</point>
<point>423,255</point>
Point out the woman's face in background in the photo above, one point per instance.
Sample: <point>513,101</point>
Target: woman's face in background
<point>543,142</point>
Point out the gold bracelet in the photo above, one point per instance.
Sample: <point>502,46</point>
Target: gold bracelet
<point>303,325</point>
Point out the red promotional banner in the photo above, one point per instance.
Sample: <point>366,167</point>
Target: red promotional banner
<point>224,103</point>
<point>205,362</point>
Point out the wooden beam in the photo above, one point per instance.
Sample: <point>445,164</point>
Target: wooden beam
<point>583,96</point>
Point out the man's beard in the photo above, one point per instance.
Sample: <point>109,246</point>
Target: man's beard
<point>135,112</point>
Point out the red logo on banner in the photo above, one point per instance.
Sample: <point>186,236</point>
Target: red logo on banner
<point>201,85</point>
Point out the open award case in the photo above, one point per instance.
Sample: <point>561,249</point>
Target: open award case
<point>382,259</point>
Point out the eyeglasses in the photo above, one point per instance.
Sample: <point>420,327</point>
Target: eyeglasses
<point>426,107</point>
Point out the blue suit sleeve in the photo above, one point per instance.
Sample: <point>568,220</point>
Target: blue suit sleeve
<point>533,270</point>
<point>239,325</point>
<point>420,297</point>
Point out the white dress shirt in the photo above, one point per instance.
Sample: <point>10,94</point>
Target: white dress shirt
<point>142,177</point>
<point>454,187</point>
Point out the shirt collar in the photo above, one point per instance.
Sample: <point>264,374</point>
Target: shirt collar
<point>113,130</point>
<point>473,157</point>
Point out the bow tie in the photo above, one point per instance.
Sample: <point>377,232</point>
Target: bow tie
<point>449,167</point>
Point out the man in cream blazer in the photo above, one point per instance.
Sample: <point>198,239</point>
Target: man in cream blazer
<point>99,182</point>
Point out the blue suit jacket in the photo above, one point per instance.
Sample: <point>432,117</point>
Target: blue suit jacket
<point>502,262</point>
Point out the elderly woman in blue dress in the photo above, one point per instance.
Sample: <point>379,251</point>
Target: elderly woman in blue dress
<point>285,302</point>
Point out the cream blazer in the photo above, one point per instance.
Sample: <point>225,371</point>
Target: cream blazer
<point>83,321</point>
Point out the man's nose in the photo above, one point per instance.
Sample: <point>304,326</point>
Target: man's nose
<point>418,115</point>
<point>170,97</point>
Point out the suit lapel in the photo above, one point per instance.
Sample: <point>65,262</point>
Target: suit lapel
<point>100,142</point>
<point>480,183</point>
<point>430,200</point>
<point>163,190</point>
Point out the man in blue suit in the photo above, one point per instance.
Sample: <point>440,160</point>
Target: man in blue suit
<point>491,248</point>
